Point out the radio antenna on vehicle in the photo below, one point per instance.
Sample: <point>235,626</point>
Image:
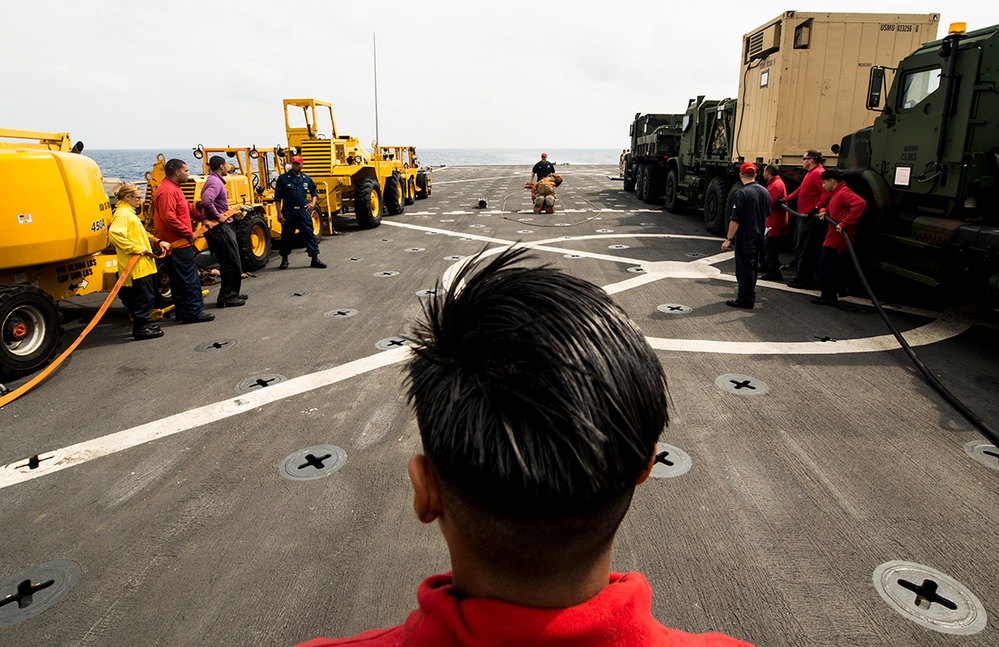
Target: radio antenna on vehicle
<point>374,44</point>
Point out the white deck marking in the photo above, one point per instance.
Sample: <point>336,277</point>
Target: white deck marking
<point>60,459</point>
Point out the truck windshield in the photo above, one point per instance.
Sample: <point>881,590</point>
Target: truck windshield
<point>916,86</point>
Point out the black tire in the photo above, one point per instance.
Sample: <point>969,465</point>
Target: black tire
<point>629,179</point>
<point>164,295</point>
<point>715,202</point>
<point>410,192</point>
<point>254,239</point>
<point>673,202</point>
<point>642,185</point>
<point>393,194</point>
<point>368,203</point>
<point>425,186</point>
<point>653,185</point>
<point>31,327</point>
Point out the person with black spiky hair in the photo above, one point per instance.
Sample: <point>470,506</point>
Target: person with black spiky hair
<point>539,404</point>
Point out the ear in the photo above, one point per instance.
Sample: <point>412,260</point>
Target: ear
<point>426,489</point>
<point>648,469</point>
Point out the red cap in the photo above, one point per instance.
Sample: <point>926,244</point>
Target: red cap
<point>544,154</point>
<point>747,168</point>
<point>296,160</point>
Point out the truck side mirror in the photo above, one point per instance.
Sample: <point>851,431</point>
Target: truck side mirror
<point>875,88</point>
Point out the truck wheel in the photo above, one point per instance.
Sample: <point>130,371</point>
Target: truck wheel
<point>640,185</point>
<point>31,325</point>
<point>254,240</point>
<point>164,295</point>
<point>393,194</point>
<point>629,179</point>
<point>673,202</point>
<point>317,223</point>
<point>410,191</point>
<point>715,199</point>
<point>368,203</point>
<point>425,186</point>
<point>653,185</point>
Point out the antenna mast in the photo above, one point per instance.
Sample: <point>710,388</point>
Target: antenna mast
<point>374,44</point>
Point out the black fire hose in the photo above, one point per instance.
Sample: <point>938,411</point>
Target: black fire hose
<point>982,426</point>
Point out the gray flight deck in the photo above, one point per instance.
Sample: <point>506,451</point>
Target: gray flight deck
<point>163,506</point>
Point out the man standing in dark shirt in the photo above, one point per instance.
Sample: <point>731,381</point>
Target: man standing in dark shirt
<point>221,238</point>
<point>750,207</point>
<point>542,169</point>
<point>295,211</point>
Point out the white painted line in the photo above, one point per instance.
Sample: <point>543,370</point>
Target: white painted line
<point>61,459</point>
<point>931,333</point>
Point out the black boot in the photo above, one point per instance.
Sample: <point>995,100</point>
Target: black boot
<point>145,331</point>
<point>317,263</point>
<point>284,263</point>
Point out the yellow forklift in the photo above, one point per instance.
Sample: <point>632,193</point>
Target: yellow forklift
<point>416,182</point>
<point>347,177</point>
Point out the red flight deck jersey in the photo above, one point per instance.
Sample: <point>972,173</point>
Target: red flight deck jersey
<point>172,220</point>
<point>619,616</point>
<point>846,208</point>
<point>811,194</point>
<point>777,218</point>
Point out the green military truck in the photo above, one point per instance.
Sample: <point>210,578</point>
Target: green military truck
<point>929,165</point>
<point>801,86</point>
<point>654,140</point>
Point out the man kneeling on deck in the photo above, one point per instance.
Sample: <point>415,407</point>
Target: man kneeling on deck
<point>539,405</point>
<point>544,193</point>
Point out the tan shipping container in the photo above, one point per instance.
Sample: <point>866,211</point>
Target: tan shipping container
<point>804,79</point>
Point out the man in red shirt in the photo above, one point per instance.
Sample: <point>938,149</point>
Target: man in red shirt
<point>808,233</point>
<point>172,221</point>
<point>846,208</point>
<point>539,405</point>
<point>777,230</point>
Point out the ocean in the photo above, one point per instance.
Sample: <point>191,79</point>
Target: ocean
<point>131,165</point>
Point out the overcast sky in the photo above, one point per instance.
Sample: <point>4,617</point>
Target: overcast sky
<point>469,74</point>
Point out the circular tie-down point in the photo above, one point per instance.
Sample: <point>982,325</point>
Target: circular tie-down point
<point>386,273</point>
<point>637,270</point>
<point>466,240</point>
<point>572,256</point>
<point>258,382</point>
<point>604,231</point>
<point>476,226</point>
<point>454,257</point>
<point>313,463</point>
<point>695,255</point>
<point>29,592</point>
<point>433,233</point>
<point>426,293</point>
<point>221,344</point>
<point>295,295</point>
<point>929,598</point>
<point>355,259</point>
<point>525,231</point>
<point>988,381</point>
<point>415,249</point>
<point>647,224</point>
<point>391,343</point>
<point>341,313</point>
<point>741,384</point>
<point>674,309</point>
<point>822,338</point>
<point>670,461</point>
<point>618,246</point>
<point>985,453</point>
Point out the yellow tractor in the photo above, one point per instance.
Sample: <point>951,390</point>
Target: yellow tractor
<point>249,184</point>
<point>346,175</point>
<point>54,217</point>
<point>416,182</point>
